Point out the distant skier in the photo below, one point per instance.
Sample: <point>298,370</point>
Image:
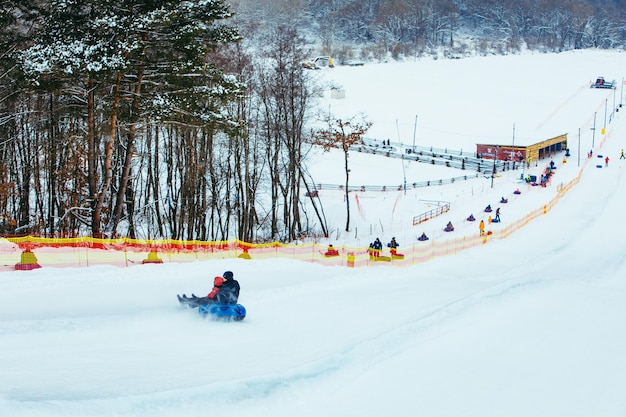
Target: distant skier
<point>331,251</point>
<point>606,161</point>
<point>622,155</point>
<point>393,246</point>
<point>377,247</point>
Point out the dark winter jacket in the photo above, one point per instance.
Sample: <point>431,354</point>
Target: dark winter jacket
<point>229,292</point>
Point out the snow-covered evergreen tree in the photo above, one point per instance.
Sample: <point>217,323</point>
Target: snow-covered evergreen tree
<point>127,64</point>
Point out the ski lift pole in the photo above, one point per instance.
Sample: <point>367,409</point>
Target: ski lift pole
<point>493,174</point>
<point>403,172</point>
<point>397,130</point>
<point>414,132</point>
<point>606,101</point>
<point>579,147</point>
<point>593,137</point>
<point>613,108</point>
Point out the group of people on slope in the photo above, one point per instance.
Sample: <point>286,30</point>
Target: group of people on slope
<point>376,247</point>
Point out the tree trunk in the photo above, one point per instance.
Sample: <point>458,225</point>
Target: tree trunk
<point>346,189</point>
<point>99,197</point>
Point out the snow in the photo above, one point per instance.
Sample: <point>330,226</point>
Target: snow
<point>530,325</point>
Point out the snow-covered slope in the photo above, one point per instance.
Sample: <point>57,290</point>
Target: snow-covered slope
<point>532,325</point>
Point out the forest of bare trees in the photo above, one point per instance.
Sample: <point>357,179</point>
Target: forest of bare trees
<point>378,29</point>
<point>178,119</point>
<point>147,119</point>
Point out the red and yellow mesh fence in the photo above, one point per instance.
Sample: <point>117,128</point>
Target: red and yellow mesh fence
<point>31,252</point>
<point>84,252</point>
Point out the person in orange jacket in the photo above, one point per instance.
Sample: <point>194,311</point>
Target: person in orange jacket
<point>210,298</point>
<point>481,227</point>
<point>217,283</point>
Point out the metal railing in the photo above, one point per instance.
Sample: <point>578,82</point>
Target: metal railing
<point>442,207</point>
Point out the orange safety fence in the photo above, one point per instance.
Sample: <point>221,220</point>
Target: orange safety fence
<point>31,252</point>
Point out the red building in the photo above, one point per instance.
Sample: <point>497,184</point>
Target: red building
<point>537,151</point>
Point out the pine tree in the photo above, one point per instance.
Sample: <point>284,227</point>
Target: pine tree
<point>128,64</point>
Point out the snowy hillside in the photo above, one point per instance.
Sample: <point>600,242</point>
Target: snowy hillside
<point>531,325</point>
<point>453,105</point>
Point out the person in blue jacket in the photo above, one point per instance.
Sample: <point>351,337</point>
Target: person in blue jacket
<point>377,247</point>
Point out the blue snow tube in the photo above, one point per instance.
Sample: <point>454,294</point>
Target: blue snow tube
<point>223,311</point>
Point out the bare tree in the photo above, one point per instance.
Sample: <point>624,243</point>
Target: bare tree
<point>343,134</point>
<point>285,95</point>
